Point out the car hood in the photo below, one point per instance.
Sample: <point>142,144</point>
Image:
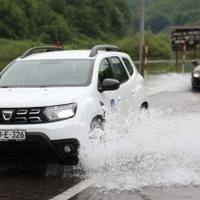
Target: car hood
<point>39,97</point>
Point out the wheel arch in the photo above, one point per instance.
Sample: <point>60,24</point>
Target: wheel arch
<point>144,105</point>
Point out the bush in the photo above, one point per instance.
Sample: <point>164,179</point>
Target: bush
<point>130,45</point>
<point>10,49</point>
<point>159,46</point>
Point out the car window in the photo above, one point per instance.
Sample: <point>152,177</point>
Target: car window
<point>119,70</point>
<point>105,71</point>
<point>128,65</point>
<point>48,73</point>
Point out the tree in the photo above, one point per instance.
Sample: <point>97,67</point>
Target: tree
<point>49,20</point>
<point>12,19</point>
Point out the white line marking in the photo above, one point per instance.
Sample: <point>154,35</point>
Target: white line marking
<point>73,191</point>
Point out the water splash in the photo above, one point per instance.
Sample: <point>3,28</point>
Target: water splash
<point>156,148</point>
<point>168,82</point>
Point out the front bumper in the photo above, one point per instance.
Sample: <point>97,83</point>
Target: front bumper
<point>39,148</point>
<point>195,82</point>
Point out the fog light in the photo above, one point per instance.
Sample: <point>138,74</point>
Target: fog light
<point>67,149</point>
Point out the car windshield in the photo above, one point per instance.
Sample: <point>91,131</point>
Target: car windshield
<point>48,73</point>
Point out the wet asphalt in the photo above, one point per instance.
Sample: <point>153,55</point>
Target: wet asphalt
<point>151,193</point>
<point>21,185</point>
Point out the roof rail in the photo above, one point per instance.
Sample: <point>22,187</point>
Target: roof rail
<point>105,47</point>
<point>41,49</point>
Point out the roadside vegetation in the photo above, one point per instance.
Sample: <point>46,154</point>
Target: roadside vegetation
<point>67,21</point>
<point>161,15</point>
<point>159,45</point>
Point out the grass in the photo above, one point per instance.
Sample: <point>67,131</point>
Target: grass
<point>11,49</point>
<point>3,64</point>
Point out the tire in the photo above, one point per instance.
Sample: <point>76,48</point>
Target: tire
<point>97,123</point>
<point>144,106</point>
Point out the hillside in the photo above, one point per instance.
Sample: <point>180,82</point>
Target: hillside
<point>161,14</point>
<point>68,21</point>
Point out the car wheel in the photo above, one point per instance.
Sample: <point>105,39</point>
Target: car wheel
<point>144,106</point>
<point>97,123</point>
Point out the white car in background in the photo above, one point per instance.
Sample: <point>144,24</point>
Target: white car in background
<point>51,97</point>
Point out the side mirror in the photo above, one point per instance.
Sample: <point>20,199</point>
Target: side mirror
<point>109,84</point>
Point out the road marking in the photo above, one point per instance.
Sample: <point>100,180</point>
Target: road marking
<point>73,191</point>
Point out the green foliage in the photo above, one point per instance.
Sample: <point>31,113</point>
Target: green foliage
<point>159,45</point>
<point>51,20</point>
<point>157,22</point>
<point>162,14</point>
<point>130,45</point>
<point>84,23</point>
<point>10,49</point>
<point>12,20</point>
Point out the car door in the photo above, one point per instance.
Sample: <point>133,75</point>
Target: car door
<point>124,92</point>
<point>109,99</point>
<point>136,94</point>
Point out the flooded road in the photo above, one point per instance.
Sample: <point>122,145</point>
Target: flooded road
<point>18,186</point>
<point>151,193</point>
<point>155,155</point>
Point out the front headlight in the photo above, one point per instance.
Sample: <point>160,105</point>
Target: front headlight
<point>55,113</point>
<point>196,75</point>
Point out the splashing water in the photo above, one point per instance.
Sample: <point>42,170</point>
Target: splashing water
<point>154,148</point>
<point>168,82</point>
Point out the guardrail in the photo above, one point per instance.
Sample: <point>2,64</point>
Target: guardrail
<point>162,61</point>
<point>165,66</point>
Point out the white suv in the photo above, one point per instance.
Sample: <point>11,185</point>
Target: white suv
<point>51,97</point>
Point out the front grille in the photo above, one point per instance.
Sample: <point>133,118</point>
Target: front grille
<point>22,116</point>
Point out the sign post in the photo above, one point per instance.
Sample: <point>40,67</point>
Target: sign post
<point>184,57</point>
<point>141,50</point>
<point>146,55</point>
<point>184,38</point>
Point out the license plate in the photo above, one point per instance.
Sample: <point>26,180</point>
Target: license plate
<point>17,135</point>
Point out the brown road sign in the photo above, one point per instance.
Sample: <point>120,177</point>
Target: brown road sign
<point>185,35</point>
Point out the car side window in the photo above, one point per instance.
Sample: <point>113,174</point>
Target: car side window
<point>105,71</point>
<point>128,65</point>
<point>119,70</point>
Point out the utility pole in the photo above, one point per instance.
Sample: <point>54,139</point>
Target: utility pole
<point>141,51</point>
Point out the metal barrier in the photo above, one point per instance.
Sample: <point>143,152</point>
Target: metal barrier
<point>165,66</point>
